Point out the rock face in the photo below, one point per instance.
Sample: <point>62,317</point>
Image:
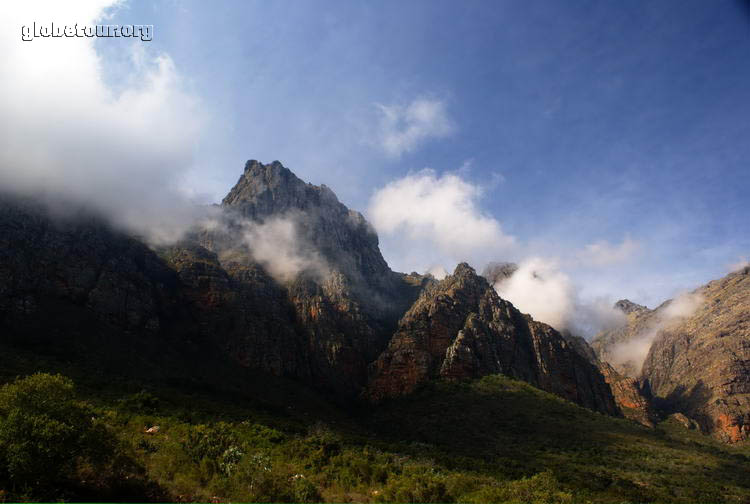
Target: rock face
<point>631,397</point>
<point>686,422</point>
<point>73,287</point>
<point>242,310</point>
<point>700,366</point>
<point>460,328</point>
<point>628,307</point>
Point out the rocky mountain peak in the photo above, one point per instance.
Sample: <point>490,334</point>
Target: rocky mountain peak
<point>464,271</point>
<point>627,306</point>
<point>267,189</point>
<point>459,328</point>
<point>322,224</point>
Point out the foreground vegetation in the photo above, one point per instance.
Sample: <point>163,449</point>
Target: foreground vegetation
<point>493,440</point>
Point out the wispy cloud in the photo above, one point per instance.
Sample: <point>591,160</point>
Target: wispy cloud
<point>404,128</point>
<point>542,289</point>
<point>632,353</point>
<point>742,262</point>
<point>604,253</point>
<point>281,249</point>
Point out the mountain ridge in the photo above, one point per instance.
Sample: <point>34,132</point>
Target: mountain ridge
<point>353,329</point>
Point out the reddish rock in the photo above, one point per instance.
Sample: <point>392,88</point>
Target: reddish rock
<point>460,328</point>
<point>700,366</point>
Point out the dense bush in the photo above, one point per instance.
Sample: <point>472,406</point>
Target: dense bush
<point>542,488</point>
<point>44,433</point>
<point>416,484</point>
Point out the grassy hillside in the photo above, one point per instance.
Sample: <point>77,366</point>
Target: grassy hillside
<point>492,440</point>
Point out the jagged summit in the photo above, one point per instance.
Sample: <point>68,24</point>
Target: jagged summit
<point>627,306</point>
<point>464,270</point>
<point>460,328</point>
<point>263,190</point>
<point>346,298</point>
<point>343,237</point>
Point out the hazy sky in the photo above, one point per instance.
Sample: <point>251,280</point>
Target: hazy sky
<point>611,138</point>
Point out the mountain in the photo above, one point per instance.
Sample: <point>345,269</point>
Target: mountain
<point>691,353</point>
<point>317,301</point>
<point>459,328</point>
<point>700,365</point>
<point>630,398</point>
<point>281,279</point>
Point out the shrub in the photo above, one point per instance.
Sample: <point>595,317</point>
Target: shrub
<point>229,460</point>
<point>542,488</point>
<point>209,441</point>
<point>265,482</point>
<point>304,490</point>
<point>44,432</point>
<point>416,484</point>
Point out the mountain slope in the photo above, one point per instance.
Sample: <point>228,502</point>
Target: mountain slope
<point>700,366</point>
<point>489,440</point>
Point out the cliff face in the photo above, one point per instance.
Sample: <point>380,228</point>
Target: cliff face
<point>332,302</point>
<point>632,398</point>
<point>74,288</point>
<point>242,310</point>
<point>460,328</point>
<point>700,366</point>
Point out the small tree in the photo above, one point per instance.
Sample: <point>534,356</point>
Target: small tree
<point>44,432</point>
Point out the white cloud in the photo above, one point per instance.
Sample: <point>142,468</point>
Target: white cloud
<point>438,271</point>
<point>404,128</point>
<point>278,246</point>
<point>541,289</point>
<point>438,217</point>
<point>121,149</point>
<point>603,253</point>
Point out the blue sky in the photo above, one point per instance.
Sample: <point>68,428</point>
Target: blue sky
<point>605,119</point>
<point>579,123</point>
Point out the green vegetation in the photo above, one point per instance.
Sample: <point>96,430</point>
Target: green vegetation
<point>492,440</point>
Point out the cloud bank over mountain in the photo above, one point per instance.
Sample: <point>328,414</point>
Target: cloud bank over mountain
<point>119,147</point>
